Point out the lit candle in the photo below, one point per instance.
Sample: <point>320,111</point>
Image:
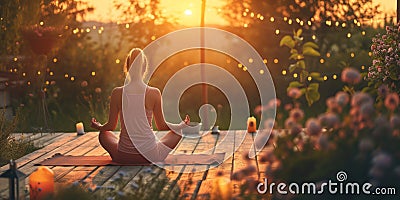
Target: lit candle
<point>251,125</point>
<point>41,183</point>
<point>79,128</point>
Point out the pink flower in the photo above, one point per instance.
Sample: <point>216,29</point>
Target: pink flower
<point>274,103</point>
<point>84,83</point>
<point>288,107</point>
<point>296,114</point>
<point>392,101</point>
<point>329,120</point>
<point>313,127</point>
<point>97,90</point>
<point>351,76</point>
<point>289,123</point>
<point>342,98</point>
<point>360,98</point>
<point>294,93</point>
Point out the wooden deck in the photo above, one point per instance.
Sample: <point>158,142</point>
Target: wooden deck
<point>198,185</point>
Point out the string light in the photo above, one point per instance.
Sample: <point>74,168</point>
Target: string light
<point>348,35</point>
<point>272,19</point>
<point>41,23</point>
<point>244,68</point>
<point>325,78</point>
<point>72,78</point>
<point>295,75</point>
<point>322,61</point>
<point>29,83</point>
<point>284,72</point>
<point>66,75</point>
<point>277,31</point>
<point>334,77</point>
<point>265,61</point>
<point>38,72</point>
<point>117,61</point>
<point>23,74</point>
<point>51,73</point>
<point>93,73</point>
<point>55,60</point>
<point>352,54</point>
<point>15,59</point>
<point>276,61</point>
<point>309,78</point>
<point>250,60</point>
<point>261,71</point>
<point>240,65</point>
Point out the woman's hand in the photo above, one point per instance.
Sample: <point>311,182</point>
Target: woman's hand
<point>95,124</point>
<point>187,120</point>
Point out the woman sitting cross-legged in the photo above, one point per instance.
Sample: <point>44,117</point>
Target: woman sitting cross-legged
<point>137,142</point>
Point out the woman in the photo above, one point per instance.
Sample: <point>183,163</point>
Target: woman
<point>137,142</point>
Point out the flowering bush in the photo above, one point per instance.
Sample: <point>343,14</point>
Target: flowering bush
<point>353,135</point>
<point>385,67</point>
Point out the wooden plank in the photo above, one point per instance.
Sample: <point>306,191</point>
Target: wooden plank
<point>67,138</point>
<point>222,171</point>
<point>176,172</point>
<point>102,173</point>
<point>29,167</point>
<point>241,160</point>
<point>69,174</point>
<point>43,141</point>
<point>193,181</point>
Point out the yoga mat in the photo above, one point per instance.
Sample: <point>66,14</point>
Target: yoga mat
<point>178,159</point>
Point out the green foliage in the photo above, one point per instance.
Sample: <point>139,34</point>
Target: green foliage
<point>299,52</point>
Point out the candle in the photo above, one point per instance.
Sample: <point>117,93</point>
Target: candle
<point>79,128</point>
<point>41,183</point>
<point>251,125</point>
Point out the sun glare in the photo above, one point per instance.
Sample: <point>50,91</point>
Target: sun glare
<point>188,12</point>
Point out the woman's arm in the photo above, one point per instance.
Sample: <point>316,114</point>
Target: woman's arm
<point>113,115</point>
<point>159,116</point>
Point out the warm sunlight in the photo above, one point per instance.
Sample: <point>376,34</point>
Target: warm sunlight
<point>186,12</point>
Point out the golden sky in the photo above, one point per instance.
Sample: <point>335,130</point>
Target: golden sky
<point>187,11</point>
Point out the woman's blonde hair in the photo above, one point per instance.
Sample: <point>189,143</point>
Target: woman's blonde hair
<point>140,69</point>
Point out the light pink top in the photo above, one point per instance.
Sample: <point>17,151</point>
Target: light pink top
<point>142,133</point>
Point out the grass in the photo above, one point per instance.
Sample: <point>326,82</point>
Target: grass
<point>10,146</point>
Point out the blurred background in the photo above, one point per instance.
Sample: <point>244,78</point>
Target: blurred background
<point>59,59</point>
